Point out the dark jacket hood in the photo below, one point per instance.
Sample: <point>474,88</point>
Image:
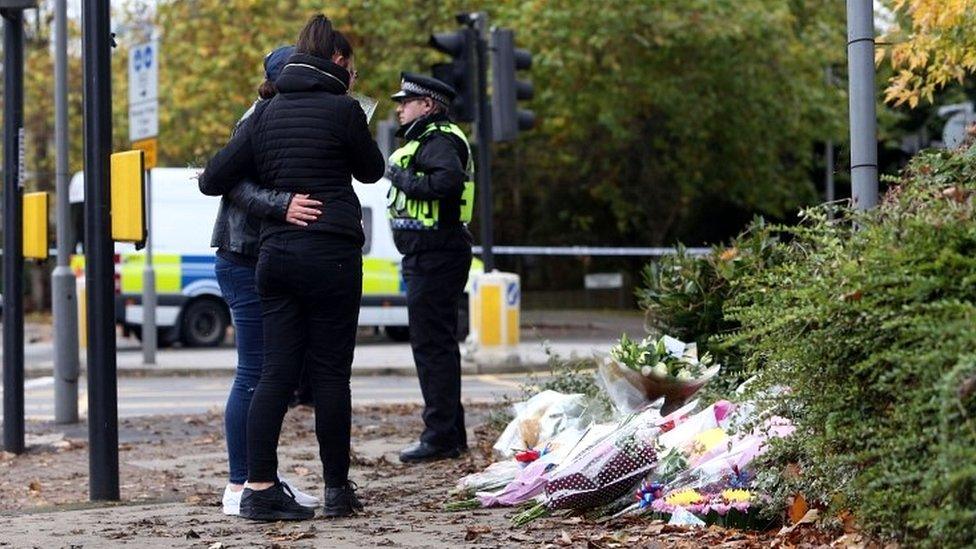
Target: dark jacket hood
<point>305,72</point>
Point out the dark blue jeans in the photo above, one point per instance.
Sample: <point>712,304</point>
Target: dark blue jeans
<point>239,290</point>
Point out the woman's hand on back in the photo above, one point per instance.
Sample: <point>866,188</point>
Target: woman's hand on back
<point>302,210</point>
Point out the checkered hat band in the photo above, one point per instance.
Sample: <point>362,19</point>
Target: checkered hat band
<point>420,90</point>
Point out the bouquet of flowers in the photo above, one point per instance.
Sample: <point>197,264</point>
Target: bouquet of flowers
<point>664,367</point>
<point>608,469</point>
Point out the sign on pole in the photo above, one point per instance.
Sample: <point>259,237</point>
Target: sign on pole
<point>143,130</point>
<point>150,147</point>
<point>143,97</point>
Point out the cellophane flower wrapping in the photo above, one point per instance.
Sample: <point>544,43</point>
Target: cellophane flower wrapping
<point>538,420</point>
<point>607,469</point>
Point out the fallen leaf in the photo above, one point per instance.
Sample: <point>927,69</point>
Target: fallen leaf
<point>798,508</point>
<point>809,518</point>
<point>474,532</point>
<point>34,486</point>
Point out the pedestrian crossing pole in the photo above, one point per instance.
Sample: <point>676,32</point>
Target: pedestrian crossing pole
<point>13,211</point>
<point>103,436</point>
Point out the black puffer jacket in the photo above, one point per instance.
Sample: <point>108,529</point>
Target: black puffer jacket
<point>238,225</point>
<point>310,138</point>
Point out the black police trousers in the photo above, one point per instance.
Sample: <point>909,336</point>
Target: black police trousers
<point>310,286</point>
<point>435,285</point>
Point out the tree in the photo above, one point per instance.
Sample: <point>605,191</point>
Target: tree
<point>932,45</point>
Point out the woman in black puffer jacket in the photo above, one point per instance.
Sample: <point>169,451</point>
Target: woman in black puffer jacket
<point>312,138</point>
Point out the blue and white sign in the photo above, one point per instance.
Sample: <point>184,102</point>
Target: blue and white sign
<point>143,91</point>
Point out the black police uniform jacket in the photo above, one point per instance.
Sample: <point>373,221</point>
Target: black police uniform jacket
<point>310,138</point>
<point>441,158</point>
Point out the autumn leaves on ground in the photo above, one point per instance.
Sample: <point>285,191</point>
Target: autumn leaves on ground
<point>173,470</point>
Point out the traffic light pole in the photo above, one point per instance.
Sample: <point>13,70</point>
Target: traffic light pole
<point>479,21</point>
<point>103,436</point>
<point>63,291</point>
<point>13,258</point>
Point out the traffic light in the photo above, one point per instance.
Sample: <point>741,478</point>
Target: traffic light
<point>506,116</point>
<point>460,71</point>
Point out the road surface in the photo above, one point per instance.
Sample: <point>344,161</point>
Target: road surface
<point>141,396</point>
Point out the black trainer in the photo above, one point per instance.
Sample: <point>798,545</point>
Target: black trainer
<point>342,502</point>
<point>423,451</point>
<point>273,504</point>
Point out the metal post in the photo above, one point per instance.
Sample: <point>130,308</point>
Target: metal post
<point>829,149</point>
<point>149,285</point>
<point>829,170</point>
<point>103,454</point>
<point>480,23</point>
<point>863,117</point>
<point>13,258</point>
<point>66,368</point>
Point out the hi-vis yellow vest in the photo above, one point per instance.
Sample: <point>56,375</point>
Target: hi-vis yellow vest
<point>414,214</point>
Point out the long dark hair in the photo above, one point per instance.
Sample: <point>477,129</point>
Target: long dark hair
<point>318,38</point>
<point>267,89</point>
<point>341,45</point>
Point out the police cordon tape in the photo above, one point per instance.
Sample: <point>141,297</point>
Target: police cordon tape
<point>590,251</point>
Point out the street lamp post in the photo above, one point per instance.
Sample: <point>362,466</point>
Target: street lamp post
<point>863,115</point>
<point>63,292</point>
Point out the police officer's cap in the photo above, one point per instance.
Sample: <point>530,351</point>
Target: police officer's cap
<point>419,85</point>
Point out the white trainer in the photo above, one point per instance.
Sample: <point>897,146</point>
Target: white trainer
<point>303,499</point>
<point>232,501</point>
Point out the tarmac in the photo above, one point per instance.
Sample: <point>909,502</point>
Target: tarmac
<point>544,334</point>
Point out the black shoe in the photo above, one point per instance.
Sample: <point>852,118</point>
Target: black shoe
<point>273,504</point>
<point>342,502</point>
<point>423,451</point>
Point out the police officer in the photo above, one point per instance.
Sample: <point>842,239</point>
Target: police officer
<point>430,204</point>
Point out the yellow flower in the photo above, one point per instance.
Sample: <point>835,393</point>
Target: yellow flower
<point>684,497</point>
<point>735,496</point>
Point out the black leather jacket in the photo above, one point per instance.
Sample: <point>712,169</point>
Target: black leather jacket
<point>238,225</point>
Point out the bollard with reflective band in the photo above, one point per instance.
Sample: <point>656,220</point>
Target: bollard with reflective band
<point>494,305</point>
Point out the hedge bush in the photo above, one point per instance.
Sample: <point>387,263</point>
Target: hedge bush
<point>861,328</point>
<point>870,321</point>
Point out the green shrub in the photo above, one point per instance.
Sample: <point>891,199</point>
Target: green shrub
<point>684,296</point>
<point>873,331</point>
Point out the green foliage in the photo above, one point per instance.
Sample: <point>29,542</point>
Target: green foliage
<point>684,296</point>
<point>873,331</point>
<point>647,110</point>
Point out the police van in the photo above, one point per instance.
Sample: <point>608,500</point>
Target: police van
<point>190,308</point>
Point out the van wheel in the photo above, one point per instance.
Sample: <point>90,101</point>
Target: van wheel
<point>398,333</point>
<point>205,323</point>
